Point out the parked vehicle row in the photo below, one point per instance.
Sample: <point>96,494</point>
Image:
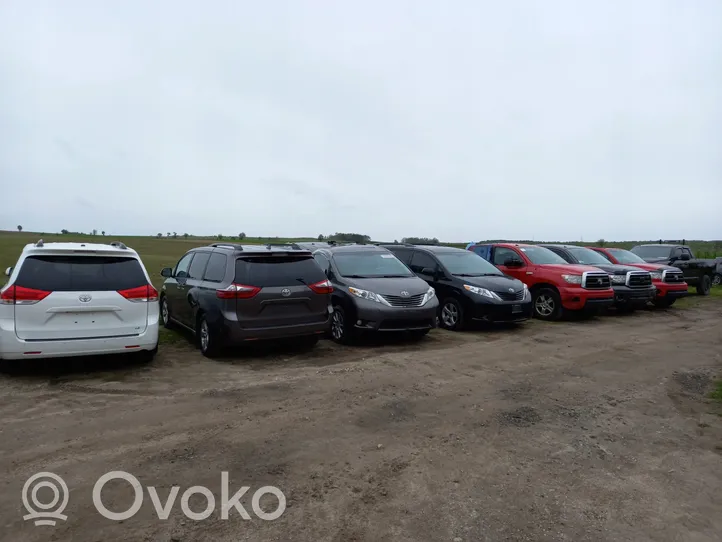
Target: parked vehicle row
<point>69,299</point>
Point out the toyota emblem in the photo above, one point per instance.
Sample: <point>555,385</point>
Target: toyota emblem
<point>285,292</point>
<point>405,293</point>
<point>511,290</point>
<point>85,298</point>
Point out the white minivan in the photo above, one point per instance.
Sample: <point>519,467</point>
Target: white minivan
<point>78,299</point>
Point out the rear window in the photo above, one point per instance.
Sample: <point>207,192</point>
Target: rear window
<point>80,273</point>
<point>276,271</point>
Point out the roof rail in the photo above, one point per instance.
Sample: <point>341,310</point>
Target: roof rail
<point>118,244</point>
<point>294,246</point>
<point>674,241</point>
<point>229,245</point>
<point>39,243</point>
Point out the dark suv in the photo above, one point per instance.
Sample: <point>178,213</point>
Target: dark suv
<point>374,291</point>
<point>632,286</point>
<point>227,294</point>
<point>468,287</point>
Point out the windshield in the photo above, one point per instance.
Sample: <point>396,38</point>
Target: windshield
<point>625,256</point>
<point>466,263</point>
<point>587,256</point>
<point>370,264</point>
<point>542,256</point>
<point>652,251</point>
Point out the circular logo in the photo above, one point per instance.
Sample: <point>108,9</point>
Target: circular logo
<point>405,293</point>
<point>511,290</point>
<point>285,292</point>
<point>85,298</point>
<point>45,512</point>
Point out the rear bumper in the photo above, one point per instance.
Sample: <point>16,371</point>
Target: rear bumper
<point>12,348</point>
<point>234,333</point>
<point>396,319</point>
<point>503,312</point>
<point>577,299</point>
<point>624,295</point>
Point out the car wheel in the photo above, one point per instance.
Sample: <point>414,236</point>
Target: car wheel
<point>341,331</point>
<point>207,339</point>
<point>705,284</point>
<point>547,304</point>
<point>451,315</point>
<point>165,313</point>
<point>716,279</point>
<point>663,303</point>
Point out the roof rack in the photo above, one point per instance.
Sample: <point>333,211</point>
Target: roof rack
<point>228,245</point>
<point>294,246</point>
<point>39,243</point>
<point>673,241</point>
<point>117,244</point>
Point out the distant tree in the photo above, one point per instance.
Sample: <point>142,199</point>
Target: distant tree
<point>242,236</point>
<point>95,232</point>
<point>167,234</point>
<point>159,235</point>
<point>396,242</point>
<point>420,240</point>
<point>350,237</point>
<point>175,235</point>
<point>20,228</point>
<point>64,231</point>
<point>185,235</point>
<point>320,237</point>
<point>220,237</point>
<point>600,242</point>
<point>103,233</point>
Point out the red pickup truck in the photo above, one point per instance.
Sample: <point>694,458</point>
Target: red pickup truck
<point>668,280</point>
<point>555,285</point>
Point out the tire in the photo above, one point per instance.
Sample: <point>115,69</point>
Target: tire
<point>165,313</point>
<point>663,303</point>
<point>705,285</point>
<point>146,356</point>
<point>547,304</point>
<point>207,338</point>
<point>717,279</point>
<point>451,314</point>
<point>340,331</point>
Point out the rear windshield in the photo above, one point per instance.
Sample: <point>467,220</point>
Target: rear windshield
<point>625,256</point>
<point>80,273</point>
<point>276,271</point>
<point>370,265</point>
<point>652,251</point>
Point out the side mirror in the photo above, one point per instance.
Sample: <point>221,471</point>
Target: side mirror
<point>428,271</point>
<point>8,271</point>
<point>684,257</point>
<point>167,272</point>
<point>513,262</point>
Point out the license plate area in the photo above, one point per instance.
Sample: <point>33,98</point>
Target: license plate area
<point>515,309</point>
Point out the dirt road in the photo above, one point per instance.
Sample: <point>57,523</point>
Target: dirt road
<point>575,431</point>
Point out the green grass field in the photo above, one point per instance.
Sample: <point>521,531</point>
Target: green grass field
<point>165,251</point>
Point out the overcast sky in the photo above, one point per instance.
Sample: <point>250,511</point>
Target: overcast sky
<point>462,120</point>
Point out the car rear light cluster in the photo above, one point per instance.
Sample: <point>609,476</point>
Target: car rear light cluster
<point>322,287</point>
<point>19,295</point>
<point>141,294</point>
<point>238,291</point>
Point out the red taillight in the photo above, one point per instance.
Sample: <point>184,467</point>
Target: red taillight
<point>238,291</point>
<point>19,295</point>
<point>322,287</point>
<point>140,294</point>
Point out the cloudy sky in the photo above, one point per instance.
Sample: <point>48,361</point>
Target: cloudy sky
<point>464,119</point>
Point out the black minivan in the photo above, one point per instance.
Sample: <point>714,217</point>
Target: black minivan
<point>468,287</point>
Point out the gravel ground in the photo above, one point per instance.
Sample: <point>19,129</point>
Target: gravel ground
<point>590,430</point>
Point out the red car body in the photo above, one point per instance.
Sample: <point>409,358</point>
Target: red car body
<point>670,285</point>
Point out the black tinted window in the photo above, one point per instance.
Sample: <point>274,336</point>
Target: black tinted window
<point>502,254</point>
<point>278,271</point>
<point>403,254</point>
<point>322,261</point>
<point>216,270</point>
<point>421,260</point>
<point>198,265</point>
<point>80,273</point>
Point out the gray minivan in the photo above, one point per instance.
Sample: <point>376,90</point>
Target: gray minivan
<point>230,293</point>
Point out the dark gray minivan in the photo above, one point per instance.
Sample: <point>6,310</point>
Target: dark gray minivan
<point>375,292</point>
<point>229,293</point>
